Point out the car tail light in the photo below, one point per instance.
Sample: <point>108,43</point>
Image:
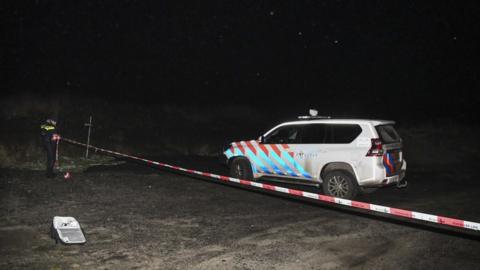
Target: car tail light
<point>377,148</point>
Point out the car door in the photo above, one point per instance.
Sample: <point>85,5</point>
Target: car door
<point>312,149</point>
<point>323,143</point>
<point>282,148</point>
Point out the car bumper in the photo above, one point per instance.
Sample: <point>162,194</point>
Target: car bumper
<point>386,181</point>
<point>392,180</point>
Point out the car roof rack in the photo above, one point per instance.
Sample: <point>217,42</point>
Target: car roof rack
<point>313,115</point>
<point>309,117</point>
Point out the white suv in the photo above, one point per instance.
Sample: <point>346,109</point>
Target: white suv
<point>344,155</point>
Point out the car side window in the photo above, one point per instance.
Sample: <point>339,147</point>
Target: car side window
<point>330,133</point>
<point>285,134</point>
<point>314,133</point>
<point>342,133</point>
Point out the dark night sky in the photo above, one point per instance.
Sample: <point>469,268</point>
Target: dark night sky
<point>415,56</point>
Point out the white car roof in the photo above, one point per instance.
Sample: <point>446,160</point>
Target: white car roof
<point>373,122</point>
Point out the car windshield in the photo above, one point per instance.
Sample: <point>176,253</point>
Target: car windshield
<point>388,134</point>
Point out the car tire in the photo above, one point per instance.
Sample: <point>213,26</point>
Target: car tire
<point>340,184</point>
<point>240,168</point>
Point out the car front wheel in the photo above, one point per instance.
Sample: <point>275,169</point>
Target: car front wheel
<point>240,168</point>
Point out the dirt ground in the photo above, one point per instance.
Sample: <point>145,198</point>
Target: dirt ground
<point>136,217</point>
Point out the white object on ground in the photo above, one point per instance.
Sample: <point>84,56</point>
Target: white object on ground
<point>67,230</point>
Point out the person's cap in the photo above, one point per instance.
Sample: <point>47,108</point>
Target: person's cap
<point>52,121</point>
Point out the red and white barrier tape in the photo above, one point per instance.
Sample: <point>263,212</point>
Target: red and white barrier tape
<point>458,223</point>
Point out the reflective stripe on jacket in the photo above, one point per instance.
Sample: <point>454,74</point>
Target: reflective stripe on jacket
<point>47,127</point>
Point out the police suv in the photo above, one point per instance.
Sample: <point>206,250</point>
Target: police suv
<point>344,156</point>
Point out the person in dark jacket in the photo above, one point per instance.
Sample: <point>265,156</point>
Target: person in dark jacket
<point>49,141</point>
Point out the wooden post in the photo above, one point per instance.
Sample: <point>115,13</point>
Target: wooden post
<point>89,125</point>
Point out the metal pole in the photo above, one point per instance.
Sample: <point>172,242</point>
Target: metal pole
<point>89,125</point>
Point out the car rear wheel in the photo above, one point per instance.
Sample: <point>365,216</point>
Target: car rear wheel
<point>240,168</point>
<point>340,184</point>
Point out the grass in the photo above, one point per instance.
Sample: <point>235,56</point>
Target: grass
<point>176,130</point>
<point>66,163</point>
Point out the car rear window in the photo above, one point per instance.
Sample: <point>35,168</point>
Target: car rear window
<point>388,134</point>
